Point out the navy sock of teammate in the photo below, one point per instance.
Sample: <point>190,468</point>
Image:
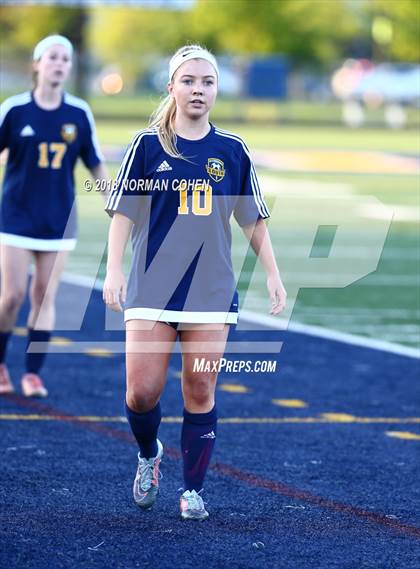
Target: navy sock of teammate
<point>145,429</point>
<point>34,361</point>
<point>197,442</point>
<point>4,338</point>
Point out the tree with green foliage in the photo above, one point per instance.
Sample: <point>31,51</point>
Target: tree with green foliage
<point>314,32</point>
<point>308,31</point>
<point>404,16</point>
<point>18,35</point>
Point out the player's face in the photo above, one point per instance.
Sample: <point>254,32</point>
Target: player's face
<point>54,66</point>
<point>194,88</point>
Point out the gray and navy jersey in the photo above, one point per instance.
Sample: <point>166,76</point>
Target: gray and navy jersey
<point>181,209</point>
<point>38,186</point>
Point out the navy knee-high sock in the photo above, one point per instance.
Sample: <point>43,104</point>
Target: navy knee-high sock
<point>35,361</point>
<point>145,429</point>
<point>4,339</point>
<point>197,442</point>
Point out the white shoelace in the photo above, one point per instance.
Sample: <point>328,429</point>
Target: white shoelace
<point>146,474</point>
<point>195,501</point>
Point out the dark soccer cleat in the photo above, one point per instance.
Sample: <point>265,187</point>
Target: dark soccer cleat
<point>192,506</point>
<point>146,482</point>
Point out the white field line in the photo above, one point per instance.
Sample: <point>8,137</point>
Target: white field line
<point>400,213</point>
<point>350,252</point>
<point>279,324</point>
<point>271,184</point>
<point>327,280</point>
<point>363,324</point>
<point>390,327</point>
<point>311,189</point>
<point>342,337</point>
<point>291,251</point>
<point>359,312</point>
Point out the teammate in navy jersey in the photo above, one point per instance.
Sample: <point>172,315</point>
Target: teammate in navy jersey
<point>45,131</point>
<point>179,183</point>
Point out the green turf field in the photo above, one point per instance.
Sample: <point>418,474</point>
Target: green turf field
<point>382,305</point>
<point>266,136</point>
<point>139,107</point>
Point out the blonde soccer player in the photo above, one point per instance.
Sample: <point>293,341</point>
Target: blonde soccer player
<point>178,185</point>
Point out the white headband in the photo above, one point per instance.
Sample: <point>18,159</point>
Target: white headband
<point>179,59</point>
<point>47,42</point>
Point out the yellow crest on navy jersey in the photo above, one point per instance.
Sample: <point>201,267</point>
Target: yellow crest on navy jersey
<point>69,133</point>
<point>215,169</point>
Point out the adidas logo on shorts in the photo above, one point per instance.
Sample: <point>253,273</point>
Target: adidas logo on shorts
<point>164,167</point>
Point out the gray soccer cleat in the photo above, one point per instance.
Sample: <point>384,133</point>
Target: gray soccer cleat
<point>192,506</point>
<point>146,482</point>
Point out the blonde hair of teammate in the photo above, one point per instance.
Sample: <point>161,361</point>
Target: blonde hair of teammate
<point>164,116</point>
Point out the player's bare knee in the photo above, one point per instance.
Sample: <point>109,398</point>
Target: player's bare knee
<point>11,301</point>
<point>141,399</point>
<point>199,388</point>
<point>41,296</point>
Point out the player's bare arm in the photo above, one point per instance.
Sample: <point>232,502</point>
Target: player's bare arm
<point>115,287</point>
<point>259,238</point>
<point>100,173</point>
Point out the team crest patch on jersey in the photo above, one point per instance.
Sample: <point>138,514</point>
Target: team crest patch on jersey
<point>69,133</point>
<point>215,169</point>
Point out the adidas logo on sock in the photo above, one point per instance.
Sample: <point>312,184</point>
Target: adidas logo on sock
<point>164,167</point>
<point>209,435</point>
<point>27,131</point>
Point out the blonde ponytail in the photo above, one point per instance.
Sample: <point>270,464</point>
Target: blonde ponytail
<point>163,117</point>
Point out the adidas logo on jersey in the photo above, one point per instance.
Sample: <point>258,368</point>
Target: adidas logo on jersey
<point>164,167</point>
<point>209,435</point>
<point>27,131</point>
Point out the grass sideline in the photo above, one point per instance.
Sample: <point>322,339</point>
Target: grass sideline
<point>138,108</point>
<point>287,137</point>
<point>387,311</point>
<point>123,107</point>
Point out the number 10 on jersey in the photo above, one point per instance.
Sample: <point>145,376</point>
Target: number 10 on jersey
<point>197,192</point>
